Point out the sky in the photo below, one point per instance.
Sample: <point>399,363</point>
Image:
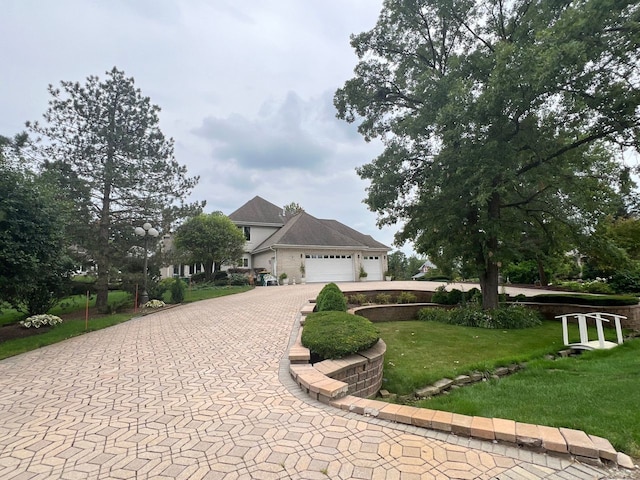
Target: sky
<point>246,89</point>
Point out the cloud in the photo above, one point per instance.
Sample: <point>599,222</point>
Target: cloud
<point>287,134</point>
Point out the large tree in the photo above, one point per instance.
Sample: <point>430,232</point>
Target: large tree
<point>105,147</point>
<point>211,240</point>
<point>495,115</point>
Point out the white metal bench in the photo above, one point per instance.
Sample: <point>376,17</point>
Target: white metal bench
<point>585,343</point>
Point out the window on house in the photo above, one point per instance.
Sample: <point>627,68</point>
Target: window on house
<point>247,233</point>
<point>245,262</point>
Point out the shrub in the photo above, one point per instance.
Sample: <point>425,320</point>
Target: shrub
<point>331,298</point>
<point>473,295</point>
<point>178,289</point>
<point>627,281</point>
<point>407,297</point>
<point>238,279</point>
<point>221,282</point>
<point>444,297</point>
<point>383,298</point>
<point>198,277</point>
<point>515,316</point>
<point>440,296</point>
<point>510,317</point>
<point>338,334</point>
<point>358,299</point>
<point>434,315</point>
<point>578,299</point>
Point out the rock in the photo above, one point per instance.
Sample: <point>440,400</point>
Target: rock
<point>429,391</point>
<point>462,379</point>
<point>443,383</point>
<point>477,376</point>
<point>501,371</point>
<point>625,461</point>
<point>385,393</point>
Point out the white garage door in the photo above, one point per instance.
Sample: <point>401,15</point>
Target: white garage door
<point>329,268</point>
<point>373,266</point>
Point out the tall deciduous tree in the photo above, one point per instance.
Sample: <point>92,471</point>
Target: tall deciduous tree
<point>494,114</point>
<point>210,239</point>
<point>104,144</point>
<point>35,267</point>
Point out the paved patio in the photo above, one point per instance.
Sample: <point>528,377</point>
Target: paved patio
<point>203,391</point>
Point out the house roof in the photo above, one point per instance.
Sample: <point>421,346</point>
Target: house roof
<point>258,211</point>
<point>306,230</point>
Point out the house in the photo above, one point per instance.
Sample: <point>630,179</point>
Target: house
<point>303,245</point>
<point>425,268</point>
<point>299,245</point>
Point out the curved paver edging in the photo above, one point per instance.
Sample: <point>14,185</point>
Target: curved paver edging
<point>552,440</point>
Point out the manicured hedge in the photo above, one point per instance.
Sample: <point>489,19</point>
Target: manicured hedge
<point>577,299</point>
<point>331,298</point>
<point>338,334</point>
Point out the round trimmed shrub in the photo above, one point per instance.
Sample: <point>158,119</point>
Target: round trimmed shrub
<point>338,334</point>
<point>331,299</point>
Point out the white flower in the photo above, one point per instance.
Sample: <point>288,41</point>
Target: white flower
<point>38,321</point>
<point>154,304</point>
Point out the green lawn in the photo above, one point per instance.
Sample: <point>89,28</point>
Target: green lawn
<point>77,304</point>
<point>597,392</point>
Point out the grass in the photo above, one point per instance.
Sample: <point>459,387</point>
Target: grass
<point>419,353</point>
<point>597,392</point>
<point>77,304</point>
<point>61,332</point>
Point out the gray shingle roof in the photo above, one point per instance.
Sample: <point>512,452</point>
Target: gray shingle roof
<point>306,230</point>
<point>258,211</point>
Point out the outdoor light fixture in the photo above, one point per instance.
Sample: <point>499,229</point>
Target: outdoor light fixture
<point>145,231</point>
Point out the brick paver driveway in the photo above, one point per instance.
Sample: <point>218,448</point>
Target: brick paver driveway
<point>202,391</point>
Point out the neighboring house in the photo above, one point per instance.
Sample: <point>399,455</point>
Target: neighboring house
<point>325,250</point>
<point>426,267</point>
<point>299,245</point>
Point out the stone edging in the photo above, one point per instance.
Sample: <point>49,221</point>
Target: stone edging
<point>552,440</point>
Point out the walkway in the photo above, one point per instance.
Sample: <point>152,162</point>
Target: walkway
<point>203,391</point>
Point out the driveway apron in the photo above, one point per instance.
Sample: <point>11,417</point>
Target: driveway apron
<point>202,391</point>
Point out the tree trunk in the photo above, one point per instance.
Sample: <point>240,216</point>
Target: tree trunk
<point>487,262</point>
<point>208,270</point>
<point>489,285</point>
<point>541,273</point>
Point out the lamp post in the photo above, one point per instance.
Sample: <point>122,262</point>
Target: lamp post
<point>145,231</point>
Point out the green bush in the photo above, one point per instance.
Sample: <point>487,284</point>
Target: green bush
<point>178,289</point>
<point>238,279</point>
<point>338,334</point>
<point>407,297</point>
<point>358,299</point>
<point>439,315</point>
<point>509,317</point>
<point>578,299</point>
<point>440,296</point>
<point>383,298</point>
<point>626,281</point>
<point>444,297</point>
<point>331,298</point>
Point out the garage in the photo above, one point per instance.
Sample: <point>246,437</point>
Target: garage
<point>329,268</point>
<point>373,266</point>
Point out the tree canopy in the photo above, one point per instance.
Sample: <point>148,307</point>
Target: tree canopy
<point>498,119</point>
<point>211,240</point>
<point>104,146</point>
